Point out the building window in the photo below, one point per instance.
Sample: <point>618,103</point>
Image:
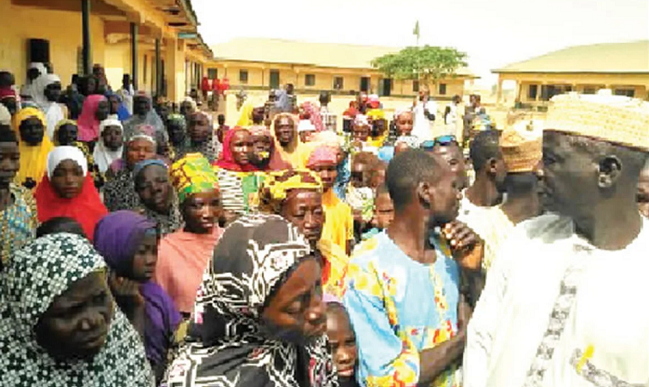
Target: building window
<point>212,73</point>
<point>309,80</point>
<point>338,83</point>
<point>589,90</point>
<point>442,89</point>
<point>532,92</point>
<point>625,92</point>
<point>415,86</point>
<point>243,76</point>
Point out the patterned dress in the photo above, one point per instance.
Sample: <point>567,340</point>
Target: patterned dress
<point>239,190</point>
<point>18,221</point>
<point>399,307</point>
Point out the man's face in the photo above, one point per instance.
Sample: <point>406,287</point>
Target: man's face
<point>285,130</point>
<point>453,156</point>
<point>569,180</point>
<point>445,197</point>
<point>53,92</point>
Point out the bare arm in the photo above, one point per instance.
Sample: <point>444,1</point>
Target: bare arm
<point>434,361</point>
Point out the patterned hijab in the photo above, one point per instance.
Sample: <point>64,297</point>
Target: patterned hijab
<point>39,273</point>
<point>193,174</point>
<point>253,258</point>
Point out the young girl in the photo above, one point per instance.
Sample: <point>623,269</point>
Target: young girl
<point>342,341</point>
<point>383,212</point>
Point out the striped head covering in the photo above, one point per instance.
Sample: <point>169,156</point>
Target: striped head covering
<point>193,174</point>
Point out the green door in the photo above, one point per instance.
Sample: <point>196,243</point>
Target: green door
<point>274,79</point>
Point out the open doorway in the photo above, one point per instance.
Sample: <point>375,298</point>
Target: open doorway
<point>365,84</point>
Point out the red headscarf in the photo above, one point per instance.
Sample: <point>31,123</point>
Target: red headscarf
<point>227,159</point>
<point>88,123</point>
<point>87,208</point>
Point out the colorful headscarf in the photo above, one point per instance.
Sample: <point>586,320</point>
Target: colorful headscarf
<point>88,122</point>
<point>313,112</point>
<point>117,238</point>
<point>322,154</point>
<point>39,273</point>
<point>193,174</point>
<point>251,261</point>
<point>277,185</point>
<point>177,119</point>
<point>227,158</point>
<point>376,114</point>
<point>32,158</point>
<point>361,199</point>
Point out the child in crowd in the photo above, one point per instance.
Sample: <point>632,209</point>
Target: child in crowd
<point>342,341</point>
<point>383,212</point>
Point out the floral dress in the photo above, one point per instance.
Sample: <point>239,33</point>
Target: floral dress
<point>18,222</point>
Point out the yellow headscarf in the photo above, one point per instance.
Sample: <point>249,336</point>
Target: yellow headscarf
<point>375,115</point>
<point>55,136</point>
<point>193,174</point>
<point>245,118</point>
<point>290,154</point>
<point>33,159</point>
<point>276,186</point>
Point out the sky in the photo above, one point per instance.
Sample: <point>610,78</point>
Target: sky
<point>493,33</point>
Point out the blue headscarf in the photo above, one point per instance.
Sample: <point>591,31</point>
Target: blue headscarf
<point>122,110</point>
<point>143,164</point>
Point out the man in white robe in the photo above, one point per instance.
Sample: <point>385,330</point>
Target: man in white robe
<point>564,300</point>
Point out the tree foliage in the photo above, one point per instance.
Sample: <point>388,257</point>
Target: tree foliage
<point>425,64</point>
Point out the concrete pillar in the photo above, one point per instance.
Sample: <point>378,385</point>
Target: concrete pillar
<point>134,55</point>
<point>175,63</point>
<point>499,91</point>
<point>85,31</point>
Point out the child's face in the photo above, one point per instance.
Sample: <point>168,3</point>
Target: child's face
<point>383,211</point>
<point>342,341</point>
<point>405,124</point>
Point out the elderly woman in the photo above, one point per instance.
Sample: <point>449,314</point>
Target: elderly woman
<point>18,215</point>
<point>119,193</point>
<point>68,190</point>
<point>184,254</point>
<point>54,284</point>
<point>34,146</point>
<point>129,244</point>
<point>260,312</point>
<point>157,198</point>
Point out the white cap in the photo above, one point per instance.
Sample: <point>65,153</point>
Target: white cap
<point>305,126</point>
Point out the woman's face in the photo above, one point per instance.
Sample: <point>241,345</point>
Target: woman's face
<point>383,211</point>
<point>67,179</point>
<point>139,150</point>
<point>202,212</point>
<point>296,312</point>
<point>113,102</point>
<point>358,176</point>
<point>102,111</point>
<point>176,132</point>
<point>141,105</point>
<point>76,324</point>
<point>241,146</point>
<point>32,131</point>
<point>9,162</point>
<point>67,134</point>
<point>112,136</point>
<point>284,130</point>
<point>360,132</point>
<point>145,258</point>
<point>328,173</point>
<point>186,108</point>
<point>405,124</point>
<point>303,208</point>
<point>261,147</point>
<point>199,128</point>
<point>342,341</point>
<point>153,186</point>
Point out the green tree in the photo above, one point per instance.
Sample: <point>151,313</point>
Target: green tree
<point>427,64</point>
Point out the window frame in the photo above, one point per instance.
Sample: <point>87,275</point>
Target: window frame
<point>244,76</point>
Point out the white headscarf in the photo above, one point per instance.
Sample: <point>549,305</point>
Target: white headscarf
<point>62,153</point>
<point>5,116</point>
<point>103,156</point>
<point>53,112</point>
<point>34,89</point>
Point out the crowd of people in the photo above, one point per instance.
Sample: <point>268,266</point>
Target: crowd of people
<point>144,245</point>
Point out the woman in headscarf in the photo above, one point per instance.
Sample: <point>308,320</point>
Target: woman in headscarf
<point>66,133</point>
<point>128,242</point>
<point>18,216</point>
<point>238,179</point>
<point>116,106</point>
<point>201,136</point>
<point>95,110</point>
<point>311,112</point>
<point>119,192</point>
<point>265,155</point>
<point>54,284</point>
<point>332,140</point>
<point>260,313</point>
<point>143,114</point>
<point>34,146</point>
<point>177,132</point>
<point>68,190</point>
<point>110,146</point>
<point>286,138</point>
<point>157,197</point>
<point>184,254</point>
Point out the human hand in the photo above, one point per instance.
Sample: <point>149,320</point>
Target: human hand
<point>125,290</point>
<point>466,245</point>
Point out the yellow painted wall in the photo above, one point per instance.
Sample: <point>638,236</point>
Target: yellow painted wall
<point>62,29</point>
